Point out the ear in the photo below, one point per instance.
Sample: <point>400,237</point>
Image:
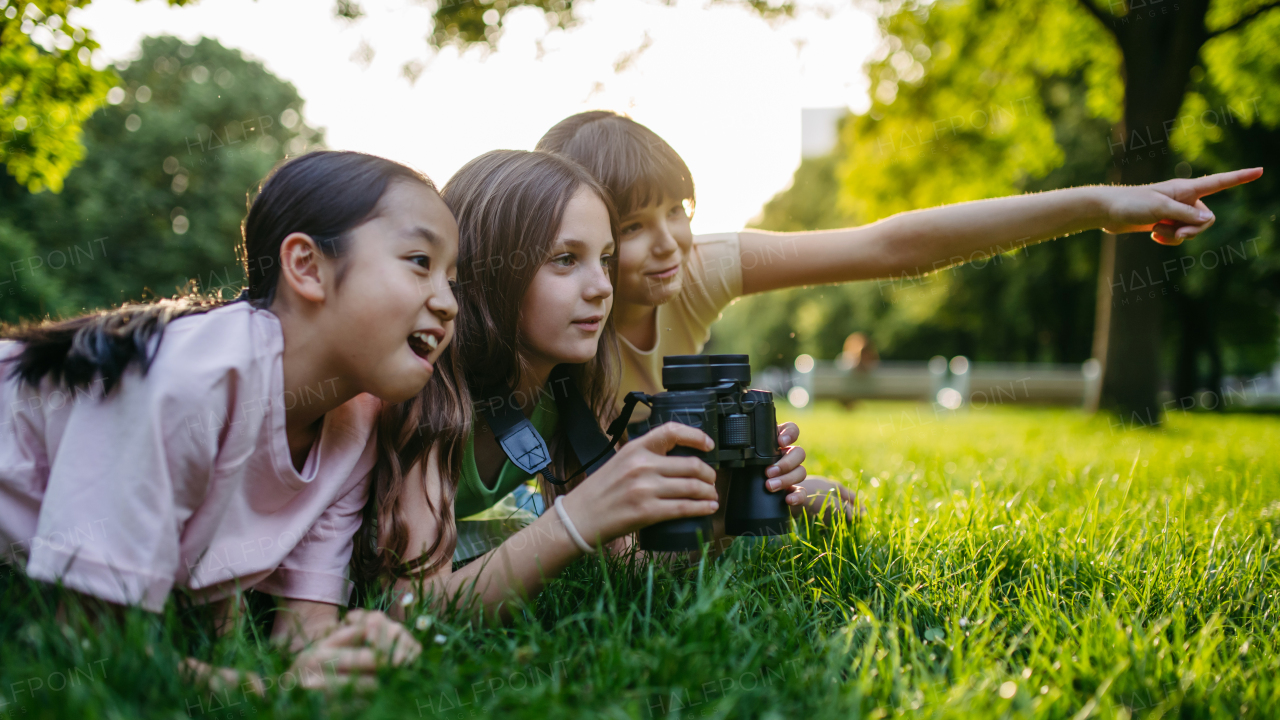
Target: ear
<point>303,267</point>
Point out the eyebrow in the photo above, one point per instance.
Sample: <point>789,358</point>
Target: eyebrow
<point>578,244</point>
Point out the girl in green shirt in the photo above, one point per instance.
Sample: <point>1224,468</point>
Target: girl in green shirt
<point>536,277</point>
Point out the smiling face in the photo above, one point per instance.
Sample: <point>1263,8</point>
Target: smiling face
<point>564,310</point>
<point>654,243</point>
<point>393,312</point>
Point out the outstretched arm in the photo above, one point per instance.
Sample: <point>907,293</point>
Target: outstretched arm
<point>923,241</point>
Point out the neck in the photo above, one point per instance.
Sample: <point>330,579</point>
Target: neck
<point>313,384</point>
<point>635,323</point>
<point>531,386</point>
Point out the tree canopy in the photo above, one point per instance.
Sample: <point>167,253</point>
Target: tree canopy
<point>157,201</point>
<point>48,89</point>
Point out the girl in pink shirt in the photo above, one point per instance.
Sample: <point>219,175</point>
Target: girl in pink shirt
<point>217,446</point>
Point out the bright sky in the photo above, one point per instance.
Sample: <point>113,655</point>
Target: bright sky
<point>720,84</point>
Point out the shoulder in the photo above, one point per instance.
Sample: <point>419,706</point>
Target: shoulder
<point>717,258</point>
<point>234,349</point>
<point>713,276</point>
<point>715,242</point>
<point>233,321</point>
<point>716,251</point>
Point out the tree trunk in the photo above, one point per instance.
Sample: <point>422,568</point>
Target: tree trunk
<point>1160,46</point>
<point>1186,371</point>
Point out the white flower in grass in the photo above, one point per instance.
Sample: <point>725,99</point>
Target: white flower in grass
<point>440,639</point>
<point>406,600</point>
<point>423,622</point>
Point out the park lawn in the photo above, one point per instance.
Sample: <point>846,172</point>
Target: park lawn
<point>1010,563</point>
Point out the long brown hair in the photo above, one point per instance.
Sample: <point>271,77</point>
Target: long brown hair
<point>634,164</point>
<point>508,204</point>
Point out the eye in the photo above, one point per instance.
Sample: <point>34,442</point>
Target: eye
<point>677,210</point>
<point>607,260</point>
<point>563,260</point>
<point>425,263</point>
<point>631,228</point>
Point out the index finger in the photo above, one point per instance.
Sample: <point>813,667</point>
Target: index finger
<point>1210,184</point>
<point>788,429</point>
<point>670,434</point>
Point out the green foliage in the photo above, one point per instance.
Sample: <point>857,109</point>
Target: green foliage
<point>48,89</point>
<point>466,23</point>
<point>1011,564</point>
<point>159,197</point>
<point>1043,295</point>
<point>957,106</point>
<point>977,99</point>
<point>463,23</point>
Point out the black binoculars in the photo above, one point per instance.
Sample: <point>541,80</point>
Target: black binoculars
<point>710,392</point>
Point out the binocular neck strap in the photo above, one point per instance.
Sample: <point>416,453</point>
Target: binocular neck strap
<point>525,447</point>
<point>518,438</point>
<point>616,428</point>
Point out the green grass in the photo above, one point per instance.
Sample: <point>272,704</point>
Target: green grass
<point>1011,563</point>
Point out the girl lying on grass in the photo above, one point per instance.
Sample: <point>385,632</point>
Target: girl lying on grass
<point>217,446</point>
<point>672,285</point>
<point>536,283</point>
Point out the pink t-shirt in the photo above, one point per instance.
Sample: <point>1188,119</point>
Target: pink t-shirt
<point>183,477</point>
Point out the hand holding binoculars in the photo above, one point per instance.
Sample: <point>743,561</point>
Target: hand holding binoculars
<point>710,392</point>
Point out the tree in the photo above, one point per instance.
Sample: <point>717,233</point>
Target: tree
<point>1160,47</point>
<point>1033,305</point>
<point>158,199</point>
<point>979,61</point>
<point>48,88</point>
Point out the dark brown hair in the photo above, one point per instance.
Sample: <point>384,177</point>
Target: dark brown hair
<point>508,204</point>
<point>324,194</point>
<point>635,165</point>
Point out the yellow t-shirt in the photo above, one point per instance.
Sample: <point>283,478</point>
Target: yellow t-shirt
<point>712,279</point>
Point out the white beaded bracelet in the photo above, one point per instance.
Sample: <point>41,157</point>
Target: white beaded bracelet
<point>573,531</point>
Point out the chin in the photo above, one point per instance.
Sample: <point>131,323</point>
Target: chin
<point>585,354</point>
<point>661,295</point>
<point>412,382</point>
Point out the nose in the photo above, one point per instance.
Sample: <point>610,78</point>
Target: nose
<point>598,286</point>
<point>441,302</point>
<point>664,242</point>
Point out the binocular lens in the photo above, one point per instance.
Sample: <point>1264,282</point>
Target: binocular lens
<point>730,368</point>
<point>686,372</point>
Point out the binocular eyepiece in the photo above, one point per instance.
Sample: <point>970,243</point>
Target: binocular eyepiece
<point>710,392</point>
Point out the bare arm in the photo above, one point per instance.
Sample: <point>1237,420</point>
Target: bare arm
<point>299,622</point>
<point>641,485</point>
<point>517,568</point>
<point>923,241</point>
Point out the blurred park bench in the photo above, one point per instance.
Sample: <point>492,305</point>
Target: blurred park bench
<point>958,382</point>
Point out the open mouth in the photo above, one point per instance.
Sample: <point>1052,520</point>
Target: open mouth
<point>423,343</point>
